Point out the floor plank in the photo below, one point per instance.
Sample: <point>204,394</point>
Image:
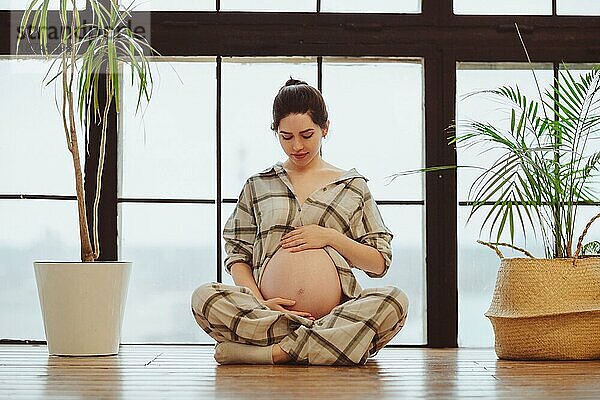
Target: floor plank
<point>188,371</point>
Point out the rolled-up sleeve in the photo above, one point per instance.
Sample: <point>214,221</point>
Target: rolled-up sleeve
<point>239,232</point>
<point>367,227</point>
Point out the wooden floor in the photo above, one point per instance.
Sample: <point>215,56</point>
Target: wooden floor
<point>181,372</point>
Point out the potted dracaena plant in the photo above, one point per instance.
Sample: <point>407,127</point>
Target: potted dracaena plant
<point>83,302</point>
<point>542,308</point>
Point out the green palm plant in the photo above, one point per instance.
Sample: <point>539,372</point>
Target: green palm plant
<point>546,168</point>
<point>85,52</point>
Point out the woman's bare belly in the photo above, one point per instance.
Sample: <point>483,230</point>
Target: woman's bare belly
<point>309,277</point>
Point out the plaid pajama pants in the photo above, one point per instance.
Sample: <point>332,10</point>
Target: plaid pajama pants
<point>351,333</point>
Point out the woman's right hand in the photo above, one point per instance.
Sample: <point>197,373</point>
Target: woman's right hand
<point>278,303</point>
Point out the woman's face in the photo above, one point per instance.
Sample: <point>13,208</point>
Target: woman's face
<point>299,135</point>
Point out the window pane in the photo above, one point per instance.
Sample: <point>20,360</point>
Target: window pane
<point>583,216</point>
<point>579,7</point>
<point>34,158</point>
<point>477,268</point>
<point>249,87</point>
<point>471,77</point>
<point>170,5</point>
<point>592,145</point>
<point>585,213</point>
<point>23,4</point>
<point>376,105</point>
<point>226,210</point>
<point>170,150</point>
<point>172,253</point>
<point>269,5</point>
<point>505,7</point>
<point>407,271</point>
<point>377,6</point>
<point>32,230</point>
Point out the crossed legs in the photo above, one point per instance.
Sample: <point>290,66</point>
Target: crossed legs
<point>248,332</point>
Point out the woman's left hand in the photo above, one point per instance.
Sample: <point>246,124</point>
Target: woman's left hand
<point>306,237</point>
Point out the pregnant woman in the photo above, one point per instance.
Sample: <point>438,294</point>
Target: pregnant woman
<point>296,232</point>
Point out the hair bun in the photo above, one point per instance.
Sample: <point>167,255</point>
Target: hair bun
<point>292,82</point>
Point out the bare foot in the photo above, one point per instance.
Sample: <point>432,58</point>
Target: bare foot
<point>280,356</point>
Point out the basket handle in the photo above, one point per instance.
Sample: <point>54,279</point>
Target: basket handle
<point>580,242</point>
<point>494,246</point>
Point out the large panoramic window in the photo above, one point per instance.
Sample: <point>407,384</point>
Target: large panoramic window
<point>175,170</point>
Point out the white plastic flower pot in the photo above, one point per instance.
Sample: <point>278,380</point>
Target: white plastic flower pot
<point>82,305</point>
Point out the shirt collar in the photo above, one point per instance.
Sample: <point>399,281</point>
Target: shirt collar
<point>352,173</point>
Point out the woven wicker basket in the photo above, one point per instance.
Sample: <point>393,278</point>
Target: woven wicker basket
<point>547,309</point>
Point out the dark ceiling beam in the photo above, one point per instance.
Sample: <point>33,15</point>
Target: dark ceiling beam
<point>5,32</point>
<point>481,38</point>
<point>469,37</point>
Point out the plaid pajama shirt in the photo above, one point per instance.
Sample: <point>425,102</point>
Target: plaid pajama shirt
<point>267,209</point>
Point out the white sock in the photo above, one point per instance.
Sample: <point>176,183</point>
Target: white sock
<point>238,353</point>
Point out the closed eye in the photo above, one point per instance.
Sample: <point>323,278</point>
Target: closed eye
<point>305,137</point>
